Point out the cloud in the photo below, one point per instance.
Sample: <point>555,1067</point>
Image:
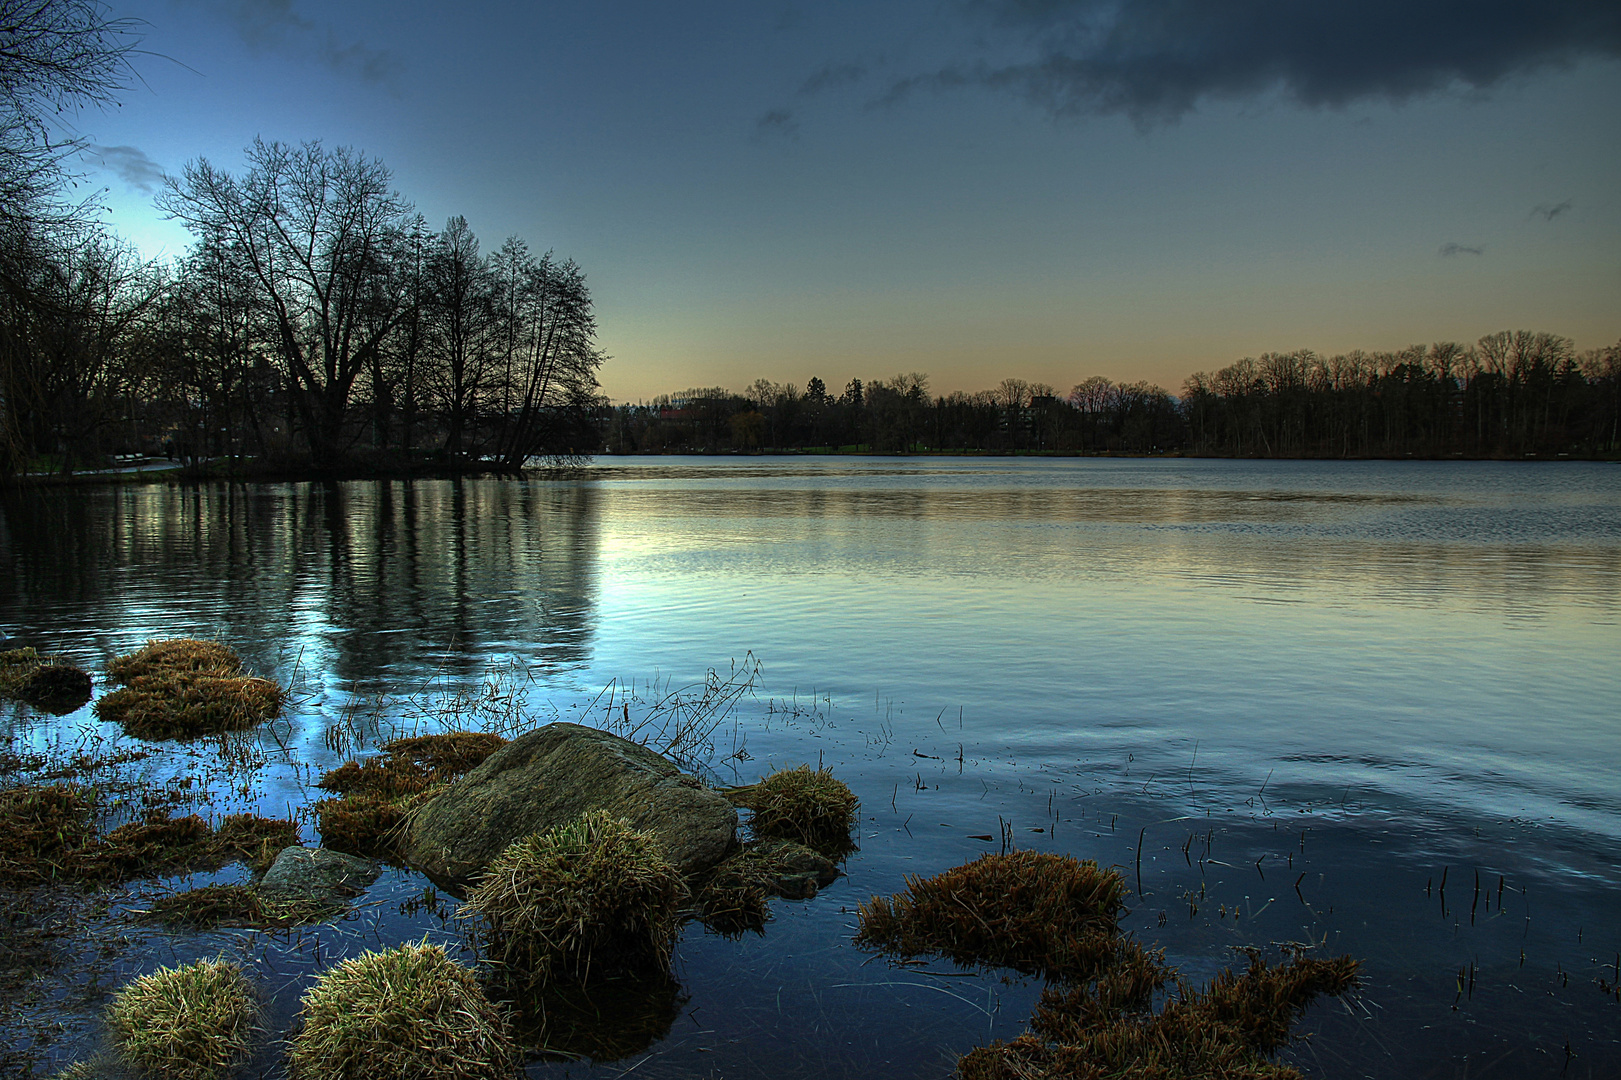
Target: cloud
<point>130,164</point>
<point>1154,60</point>
<point>1448,250</point>
<point>1548,213</point>
<point>777,122</point>
<point>273,26</point>
<point>829,76</point>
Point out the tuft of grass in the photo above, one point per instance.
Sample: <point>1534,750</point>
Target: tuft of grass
<point>1037,912</point>
<point>384,777</point>
<point>363,825</point>
<point>736,895</point>
<point>153,846</point>
<point>409,1011</point>
<point>213,906</point>
<point>190,706</point>
<point>1032,911</point>
<point>187,1023</point>
<point>47,683</point>
<point>592,897</point>
<point>446,756</point>
<point>253,839</point>
<point>377,794</point>
<point>48,833</point>
<point>16,665</point>
<point>176,656</point>
<point>808,805</point>
<point>43,830</point>
<point>1107,1028</point>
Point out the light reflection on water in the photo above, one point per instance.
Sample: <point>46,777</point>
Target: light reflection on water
<point>1416,658</point>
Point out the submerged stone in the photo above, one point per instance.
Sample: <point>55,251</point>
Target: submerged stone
<point>318,874</point>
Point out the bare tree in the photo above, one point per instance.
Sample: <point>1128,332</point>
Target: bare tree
<point>56,56</point>
<point>323,236</point>
<point>554,379</point>
<point>461,315</point>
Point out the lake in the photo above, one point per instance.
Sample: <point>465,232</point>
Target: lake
<point>1287,699</point>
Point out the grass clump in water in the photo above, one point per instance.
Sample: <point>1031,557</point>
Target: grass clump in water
<point>362,825</point>
<point>448,755</point>
<point>253,839</point>
<point>158,707</point>
<point>48,834</point>
<point>152,846</point>
<point>409,1011</point>
<point>187,1023</point>
<point>1032,911</point>
<point>808,805</point>
<point>243,906</point>
<point>47,683</point>
<point>176,656</point>
<point>1052,914</point>
<point>43,831</point>
<point>377,794</point>
<point>736,895</point>
<point>1107,1027</point>
<point>183,688</point>
<point>592,897</point>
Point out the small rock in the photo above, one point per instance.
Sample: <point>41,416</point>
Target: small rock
<point>798,872</point>
<point>318,874</point>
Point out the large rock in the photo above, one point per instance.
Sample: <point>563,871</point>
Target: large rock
<point>549,777</point>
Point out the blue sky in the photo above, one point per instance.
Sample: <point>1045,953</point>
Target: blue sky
<point>975,189</point>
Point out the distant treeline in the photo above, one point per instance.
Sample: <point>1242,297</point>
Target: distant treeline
<point>1511,394</point>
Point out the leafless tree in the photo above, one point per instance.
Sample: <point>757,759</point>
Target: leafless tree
<point>324,238</point>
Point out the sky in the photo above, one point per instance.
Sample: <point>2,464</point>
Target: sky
<point>973,189</point>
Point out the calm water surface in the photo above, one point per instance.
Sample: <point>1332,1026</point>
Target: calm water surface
<point>1306,689</point>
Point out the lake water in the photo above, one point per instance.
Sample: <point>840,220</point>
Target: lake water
<point>1298,692</point>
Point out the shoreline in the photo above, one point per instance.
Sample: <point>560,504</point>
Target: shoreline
<point>251,471</point>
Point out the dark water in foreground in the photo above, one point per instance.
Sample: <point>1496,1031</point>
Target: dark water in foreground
<point>1306,689</point>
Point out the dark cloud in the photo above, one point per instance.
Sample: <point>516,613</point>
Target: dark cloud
<point>777,122</point>
<point>130,164</point>
<point>832,75</point>
<point>1154,60</point>
<point>1449,250</point>
<point>1548,213</point>
<point>273,25</point>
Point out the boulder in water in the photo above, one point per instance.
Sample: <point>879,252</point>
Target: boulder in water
<point>550,777</point>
